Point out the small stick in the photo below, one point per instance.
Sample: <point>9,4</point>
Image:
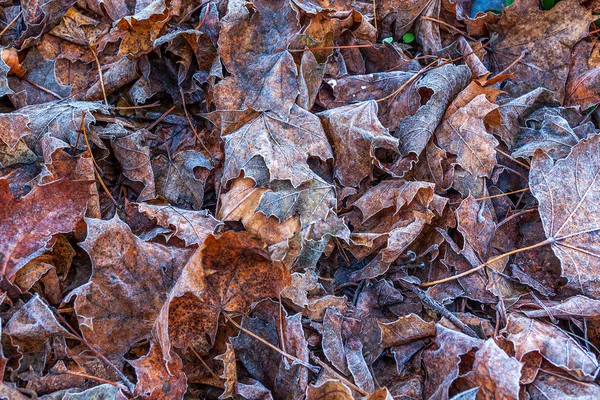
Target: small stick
<point>435,306</point>
<point>96,167</point>
<point>99,74</point>
<point>353,46</point>
<point>513,158</point>
<point>43,89</point>
<point>194,128</point>
<point>204,18</point>
<point>500,257</point>
<point>277,349</point>
<point>503,194</point>
<point>130,386</point>
<point>136,107</point>
<point>11,23</point>
<point>87,376</point>
<point>163,116</point>
<point>210,371</point>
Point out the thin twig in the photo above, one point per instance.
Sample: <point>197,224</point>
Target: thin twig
<point>96,167</point>
<point>204,18</point>
<point>375,15</point>
<point>11,23</point>
<point>450,27</point>
<point>502,194</point>
<point>43,89</point>
<point>516,215</point>
<point>512,158</point>
<point>405,84</point>
<point>163,116</point>
<point>130,386</point>
<point>87,376</point>
<point>210,371</point>
<point>500,257</point>
<point>187,115</point>
<point>99,74</point>
<point>277,349</point>
<point>435,306</point>
<point>136,107</point>
<point>353,46</point>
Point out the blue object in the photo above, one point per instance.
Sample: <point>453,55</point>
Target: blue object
<point>481,6</point>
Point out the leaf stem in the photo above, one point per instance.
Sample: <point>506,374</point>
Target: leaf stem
<point>503,194</point>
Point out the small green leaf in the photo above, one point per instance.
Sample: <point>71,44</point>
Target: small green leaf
<point>597,22</point>
<point>508,2</point>
<point>388,40</point>
<point>408,37</point>
<point>547,4</point>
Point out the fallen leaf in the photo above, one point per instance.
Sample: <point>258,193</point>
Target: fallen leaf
<point>566,192</point>
<point>30,222</point>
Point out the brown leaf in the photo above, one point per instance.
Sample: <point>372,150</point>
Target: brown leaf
<point>191,226</point>
<point>129,284</point>
<point>29,223</point>
<point>476,223</point>
<point>240,204</point>
<point>464,134</point>
<point>550,386</point>
<point>329,389</point>
<point>545,39</point>
<point>229,374</point>
<point>283,144</point>
<point>32,325</point>
<point>355,134</point>
<point>312,201</point>
<point>157,380</point>
<point>404,330</point>
<point>495,373</point>
<point>438,88</point>
<point>228,273</point>
<point>253,48</point>
<point>576,306</point>
<point>553,344</point>
<point>584,76</point>
<point>181,177</point>
<point>567,194</point>
<point>442,362</point>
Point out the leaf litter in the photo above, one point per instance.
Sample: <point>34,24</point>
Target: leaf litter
<point>299,199</point>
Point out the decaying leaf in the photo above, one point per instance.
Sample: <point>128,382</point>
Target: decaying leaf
<point>27,224</point>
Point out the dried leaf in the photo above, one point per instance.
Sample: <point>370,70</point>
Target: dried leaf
<point>566,192</point>
<point>29,223</point>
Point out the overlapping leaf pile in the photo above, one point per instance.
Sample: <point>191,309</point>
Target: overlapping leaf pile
<point>283,199</point>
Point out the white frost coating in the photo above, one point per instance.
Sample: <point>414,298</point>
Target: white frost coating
<point>332,83</point>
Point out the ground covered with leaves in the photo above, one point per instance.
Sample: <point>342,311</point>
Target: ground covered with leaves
<point>288,199</point>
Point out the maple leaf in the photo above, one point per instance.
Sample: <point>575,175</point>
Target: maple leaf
<point>543,38</point>
<point>464,134</point>
<point>191,226</point>
<point>355,134</point>
<point>61,120</point>
<point>253,48</point>
<point>283,144</point>
<point>129,284</point>
<point>157,380</point>
<point>567,194</point>
<point>181,177</point>
<point>415,131</point>
<point>443,360</point>
<point>227,274</point>
<point>29,223</point>
<point>553,344</point>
